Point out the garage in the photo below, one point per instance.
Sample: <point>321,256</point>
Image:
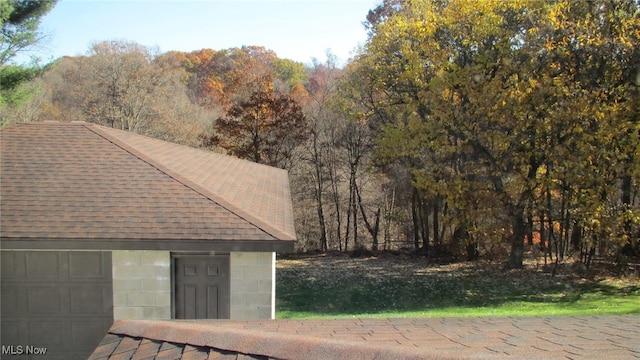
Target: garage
<point>99,224</point>
<point>57,302</point>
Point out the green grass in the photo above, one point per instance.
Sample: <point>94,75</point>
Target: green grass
<point>325,287</point>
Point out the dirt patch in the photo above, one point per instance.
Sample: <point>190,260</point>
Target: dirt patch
<point>389,265</point>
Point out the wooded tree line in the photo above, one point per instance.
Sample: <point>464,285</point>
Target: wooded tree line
<point>460,129</point>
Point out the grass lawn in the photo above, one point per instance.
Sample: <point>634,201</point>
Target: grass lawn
<point>406,286</point>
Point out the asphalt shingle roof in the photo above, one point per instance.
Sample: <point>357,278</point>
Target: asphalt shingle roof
<point>588,337</point>
<point>85,181</point>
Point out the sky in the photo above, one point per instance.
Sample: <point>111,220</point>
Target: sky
<point>299,30</point>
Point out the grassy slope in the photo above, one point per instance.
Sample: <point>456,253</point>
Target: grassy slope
<point>397,286</point>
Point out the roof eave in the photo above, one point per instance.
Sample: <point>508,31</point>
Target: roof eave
<point>281,246</point>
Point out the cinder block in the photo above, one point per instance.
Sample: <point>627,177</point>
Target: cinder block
<point>258,299</point>
<point>133,272</point>
<point>163,299</point>
<point>120,299</point>
<point>243,313</point>
<point>237,299</point>
<point>126,285</point>
<point>264,312</point>
<point>265,286</point>
<point>243,258</point>
<point>257,272</point>
<point>155,258</point>
<point>251,313</point>
<point>146,271</point>
<point>244,286</point>
<point>121,272</point>
<point>265,258</point>
<point>123,312</point>
<point>237,273</point>
<point>125,257</point>
<point>163,272</point>
<point>156,285</point>
<point>157,312</point>
<point>142,299</point>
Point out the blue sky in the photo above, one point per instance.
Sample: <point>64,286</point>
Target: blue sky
<point>295,29</point>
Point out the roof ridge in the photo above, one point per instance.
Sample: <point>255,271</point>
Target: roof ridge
<point>252,219</point>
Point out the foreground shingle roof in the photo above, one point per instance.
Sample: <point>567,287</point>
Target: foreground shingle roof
<point>81,184</point>
<point>145,339</point>
<point>589,337</point>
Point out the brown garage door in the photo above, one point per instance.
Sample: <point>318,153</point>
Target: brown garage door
<point>202,286</point>
<point>58,302</point>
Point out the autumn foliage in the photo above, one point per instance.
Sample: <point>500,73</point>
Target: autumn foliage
<point>266,128</point>
<point>460,129</point>
<point>509,116</point>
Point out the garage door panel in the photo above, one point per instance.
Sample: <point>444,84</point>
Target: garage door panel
<point>56,299</point>
<point>9,300</point>
<point>87,266</point>
<point>8,267</point>
<point>89,300</point>
<point>51,334</point>
<point>43,265</point>
<point>45,300</point>
<point>13,331</point>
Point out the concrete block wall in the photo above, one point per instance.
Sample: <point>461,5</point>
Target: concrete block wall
<point>141,284</point>
<point>252,285</point>
<point>142,287</point>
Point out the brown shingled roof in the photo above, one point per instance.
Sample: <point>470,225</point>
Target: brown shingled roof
<point>562,337</point>
<point>85,186</point>
<point>130,339</point>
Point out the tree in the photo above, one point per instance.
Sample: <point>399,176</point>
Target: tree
<point>593,51</point>
<point>382,13</point>
<point>127,86</point>
<point>265,128</point>
<point>117,84</point>
<point>19,21</point>
<point>21,93</point>
<point>321,147</point>
<point>226,77</point>
<point>481,100</point>
<point>289,72</point>
<point>11,77</point>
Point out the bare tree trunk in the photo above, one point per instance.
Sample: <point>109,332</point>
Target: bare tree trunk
<point>530,228</point>
<point>321,222</point>
<point>333,177</point>
<point>373,230</point>
<point>388,211</point>
<point>516,256</point>
<point>414,216</point>
<point>436,222</point>
<point>627,185</point>
<point>424,225</point>
<point>347,230</point>
<point>543,236</point>
<point>317,163</point>
<point>354,212</point>
<point>376,229</point>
